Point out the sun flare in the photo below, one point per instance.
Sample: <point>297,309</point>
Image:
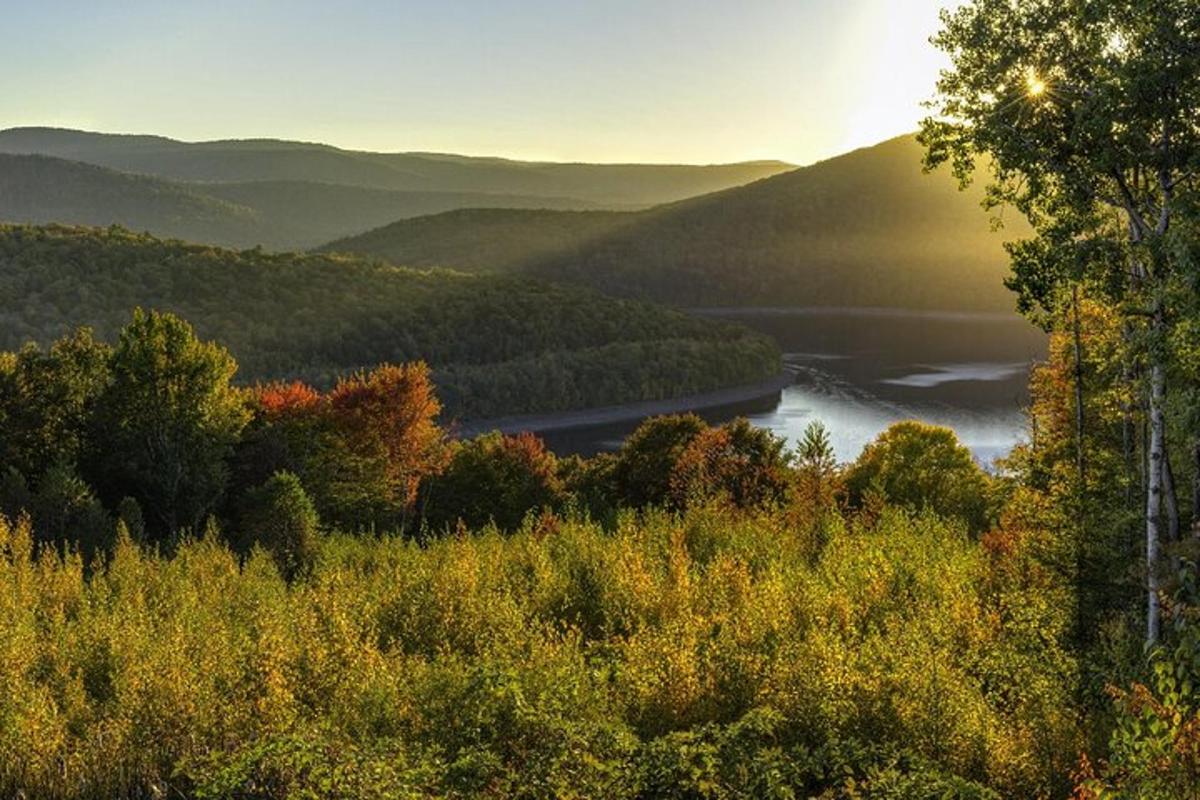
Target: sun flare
<point>1034,85</point>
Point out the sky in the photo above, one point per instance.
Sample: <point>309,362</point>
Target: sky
<point>673,81</point>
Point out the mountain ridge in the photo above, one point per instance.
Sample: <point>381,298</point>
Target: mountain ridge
<point>866,228</point>
<point>273,159</point>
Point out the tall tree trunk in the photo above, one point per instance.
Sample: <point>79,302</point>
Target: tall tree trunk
<point>1154,495</point>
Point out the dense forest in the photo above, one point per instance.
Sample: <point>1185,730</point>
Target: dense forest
<point>272,160</point>
<point>498,345</point>
<point>864,229</point>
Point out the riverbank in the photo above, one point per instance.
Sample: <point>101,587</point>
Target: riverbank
<point>630,412</point>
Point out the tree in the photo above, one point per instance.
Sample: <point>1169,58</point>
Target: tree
<point>361,449</point>
<point>495,478</point>
<point>747,466</point>
<point>817,470</point>
<point>46,399</point>
<point>642,472</point>
<point>387,441</point>
<point>289,428</point>
<point>166,423</point>
<point>280,516</point>
<point>64,509</point>
<point>920,466</point>
<point>1086,113</point>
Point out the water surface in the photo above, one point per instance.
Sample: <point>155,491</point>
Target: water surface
<point>860,370</point>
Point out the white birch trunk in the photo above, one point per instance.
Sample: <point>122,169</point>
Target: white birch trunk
<point>1154,497</point>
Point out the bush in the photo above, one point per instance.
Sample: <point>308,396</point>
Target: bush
<point>280,516</point>
<point>1154,750</point>
<point>707,654</point>
<point>916,466</point>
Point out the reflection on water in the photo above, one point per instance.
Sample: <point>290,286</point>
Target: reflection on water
<point>854,415</point>
<point>858,371</point>
<point>949,373</point>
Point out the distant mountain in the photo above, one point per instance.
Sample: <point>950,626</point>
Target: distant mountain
<point>868,228</point>
<point>39,189</point>
<point>279,215</point>
<point>303,214</point>
<point>611,185</point>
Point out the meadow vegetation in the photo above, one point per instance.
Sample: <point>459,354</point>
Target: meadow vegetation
<point>709,654</point>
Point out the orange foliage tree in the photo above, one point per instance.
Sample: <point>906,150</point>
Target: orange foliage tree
<point>361,449</point>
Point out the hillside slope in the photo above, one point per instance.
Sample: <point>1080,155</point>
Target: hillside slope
<point>38,189</point>
<point>303,214</point>
<point>865,229</point>
<point>279,215</point>
<point>498,344</point>
<point>272,160</point>
<point>488,239</point>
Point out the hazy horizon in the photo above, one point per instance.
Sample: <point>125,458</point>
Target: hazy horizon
<point>435,153</point>
<point>606,82</point>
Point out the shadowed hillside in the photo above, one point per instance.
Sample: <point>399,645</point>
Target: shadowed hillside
<point>279,215</point>
<point>301,214</point>
<point>498,344</point>
<point>272,160</point>
<point>489,239</point>
<point>40,189</point>
<point>865,229</point>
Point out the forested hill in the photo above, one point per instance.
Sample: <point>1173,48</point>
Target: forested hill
<point>303,214</point>
<point>498,344</point>
<point>869,228</point>
<point>279,215</point>
<point>613,185</point>
<point>40,189</point>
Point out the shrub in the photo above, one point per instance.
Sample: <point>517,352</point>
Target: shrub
<point>1155,744</point>
<point>702,654</point>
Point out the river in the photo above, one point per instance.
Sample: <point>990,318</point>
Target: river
<point>859,370</point>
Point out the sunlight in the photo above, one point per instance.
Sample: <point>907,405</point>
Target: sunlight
<point>1034,85</point>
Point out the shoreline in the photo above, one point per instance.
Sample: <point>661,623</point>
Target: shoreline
<point>611,415</point>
